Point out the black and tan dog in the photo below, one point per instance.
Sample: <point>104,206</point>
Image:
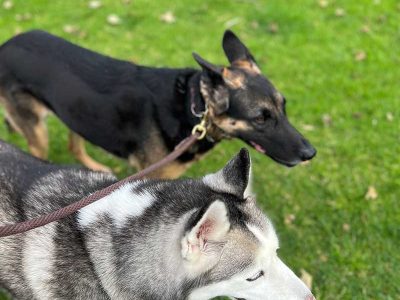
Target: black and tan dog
<point>142,113</point>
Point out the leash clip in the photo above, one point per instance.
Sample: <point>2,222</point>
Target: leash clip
<point>201,128</point>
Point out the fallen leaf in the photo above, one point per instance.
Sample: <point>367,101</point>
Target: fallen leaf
<point>289,219</point>
<point>339,12</point>
<point>126,2</point>
<point>17,30</point>
<point>168,17</point>
<point>68,28</point>
<point>82,34</point>
<point>305,163</point>
<point>365,29</point>
<point>8,4</point>
<point>323,257</point>
<point>306,278</point>
<point>327,119</point>
<point>254,24</point>
<point>273,27</point>
<point>323,3</point>
<point>113,19</point>
<point>371,194</point>
<point>23,17</point>
<point>307,127</point>
<point>389,116</point>
<point>360,56</point>
<point>95,4</point>
<point>346,227</point>
<point>232,22</point>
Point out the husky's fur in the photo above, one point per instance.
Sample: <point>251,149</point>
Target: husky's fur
<point>186,239</point>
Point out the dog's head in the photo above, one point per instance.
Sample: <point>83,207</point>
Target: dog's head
<point>243,103</point>
<point>230,245</point>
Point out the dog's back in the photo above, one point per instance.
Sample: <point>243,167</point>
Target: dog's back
<point>30,187</point>
<point>50,55</point>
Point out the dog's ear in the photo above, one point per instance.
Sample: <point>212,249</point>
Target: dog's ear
<point>204,240</point>
<point>237,53</point>
<point>234,49</point>
<point>234,178</point>
<point>212,86</point>
<point>212,69</point>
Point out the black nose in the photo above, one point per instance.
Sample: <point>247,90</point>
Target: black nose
<point>307,152</point>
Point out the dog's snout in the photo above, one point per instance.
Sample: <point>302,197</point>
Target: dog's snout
<point>308,151</point>
<point>310,297</point>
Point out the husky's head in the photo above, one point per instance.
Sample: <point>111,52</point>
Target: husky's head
<point>229,246</point>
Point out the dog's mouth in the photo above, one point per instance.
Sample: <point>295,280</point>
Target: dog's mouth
<point>262,150</point>
<point>258,147</point>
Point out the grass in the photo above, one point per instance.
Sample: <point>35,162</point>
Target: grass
<point>346,104</point>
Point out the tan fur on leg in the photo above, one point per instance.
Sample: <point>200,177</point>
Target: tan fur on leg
<point>77,148</point>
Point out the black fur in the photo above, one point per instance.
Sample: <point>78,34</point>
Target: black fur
<point>116,104</point>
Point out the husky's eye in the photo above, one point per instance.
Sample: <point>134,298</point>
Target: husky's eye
<point>255,277</point>
<point>262,117</point>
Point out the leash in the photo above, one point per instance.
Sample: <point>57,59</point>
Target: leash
<point>198,132</point>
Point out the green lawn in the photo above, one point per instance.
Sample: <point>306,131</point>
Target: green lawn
<point>339,68</point>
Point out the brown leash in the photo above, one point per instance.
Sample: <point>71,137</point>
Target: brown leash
<point>63,212</point>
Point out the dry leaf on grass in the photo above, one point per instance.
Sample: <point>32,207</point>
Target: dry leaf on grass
<point>23,17</point>
<point>95,4</point>
<point>305,163</point>
<point>306,278</point>
<point>273,27</point>
<point>327,119</point>
<point>232,22</point>
<point>8,5</point>
<point>360,56</point>
<point>68,28</point>
<point>168,17</point>
<point>365,29</point>
<point>113,19</point>
<point>323,257</point>
<point>254,24</point>
<point>389,116</point>
<point>371,194</point>
<point>289,219</point>
<point>346,227</point>
<point>18,30</point>
<point>307,127</point>
<point>339,12</point>
<point>323,3</point>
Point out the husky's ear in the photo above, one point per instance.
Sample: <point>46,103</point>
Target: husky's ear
<point>204,240</point>
<point>212,86</point>
<point>234,49</point>
<point>234,178</point>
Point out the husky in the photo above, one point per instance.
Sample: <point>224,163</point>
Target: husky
<point>191,239</point>
<point>141,113</point>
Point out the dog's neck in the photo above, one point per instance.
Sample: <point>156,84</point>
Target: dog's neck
<point>196,105</point>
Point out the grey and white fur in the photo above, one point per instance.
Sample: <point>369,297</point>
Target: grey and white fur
<point>189,239</point>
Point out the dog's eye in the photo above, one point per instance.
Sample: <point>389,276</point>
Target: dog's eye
<point>262,117</point>
<point>255,277</point>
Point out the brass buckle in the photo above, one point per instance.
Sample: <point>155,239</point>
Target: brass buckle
<point>201,128</point>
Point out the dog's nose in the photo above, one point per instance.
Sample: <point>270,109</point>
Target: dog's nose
<point>310,297</point>
<point>307,152</point>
